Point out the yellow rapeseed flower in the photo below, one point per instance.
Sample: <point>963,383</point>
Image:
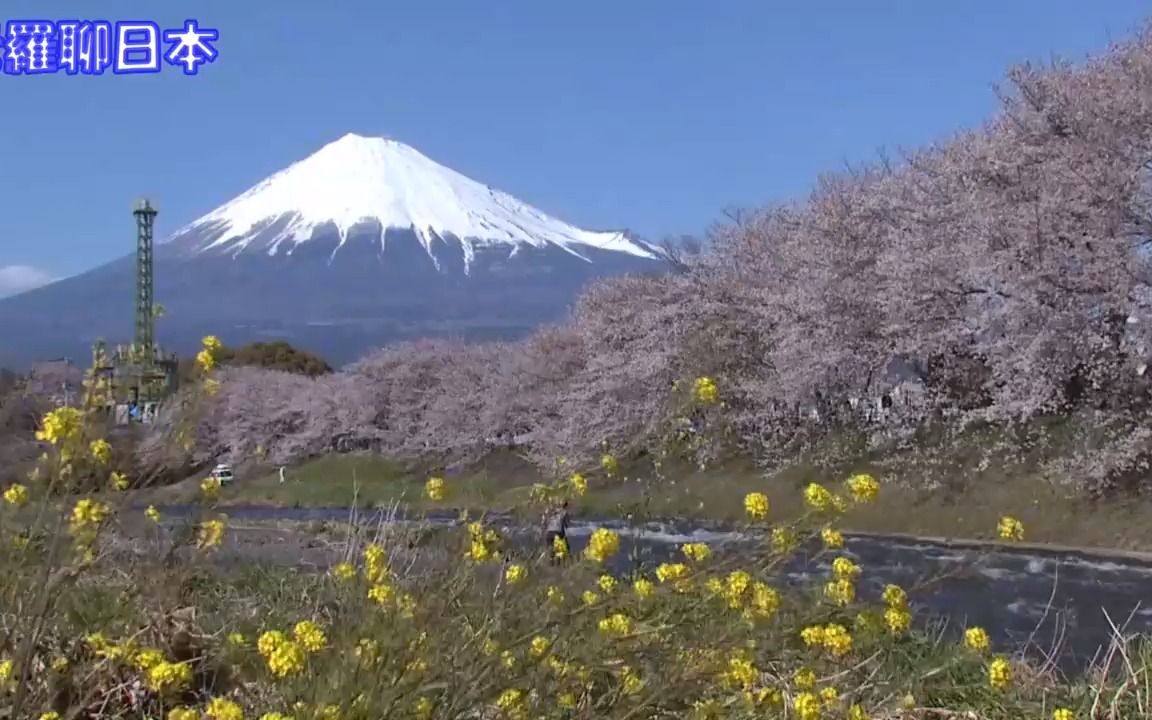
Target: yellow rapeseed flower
<point>607,583</point>
<point>381,593</point>
<point>223,709</point>
<point>756,505</point>
<point>5,670</point>
<point>152,514</point>
<point>1010,529</point>
<point>375,563</point>
<point>668,572</point>
<point>817,497</point>
<point>211,343</point>
<point>616,624</point>
<point>765,600</point>
<point>845,569</point>
<point>555,595</point>
<point>287,658</point>
<point>784,539</point>
<point>840,592</point>
<point>833,539</point>
<point>50,715</point>
<point>579,484</point>
<point>589,597</point>
<point>60,426</point>
<point>183,713</point>
<point>856,712</point>
<point>836,640</point>
<point>510,699</point>
<point>1063,714</point>
<point>343,571</point>
<point>897,619</point>
<point>310,636</point>
<point>211,533</point>
<point>704,391</point>
<point>894,596</point>
<point>205,360</point>
<point>514,574</point>
<point>539,646</point>
<point>643,587</point>
<point>863,487</point>
<point>237,639</point>
<point>210,488</point>
<point>999,673</point>
<point>16,494</point>
<point>804,679</point>
<point>807,706</point>
<point>976,638</point>
<point>609,464</point>
<point>168,677</point>
<point>696,552</point>
<point>100,450</point>
<point>602,545</point>
<point>630,681</point>
<point>559,547</point>
<point>435,489</point>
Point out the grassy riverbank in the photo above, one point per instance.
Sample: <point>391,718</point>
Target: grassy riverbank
<point>412,630</point>
<point>1050,513</point>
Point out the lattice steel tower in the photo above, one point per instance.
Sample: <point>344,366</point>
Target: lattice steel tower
<point>145,302</point>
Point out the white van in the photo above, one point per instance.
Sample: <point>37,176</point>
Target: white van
<point>223,473</point>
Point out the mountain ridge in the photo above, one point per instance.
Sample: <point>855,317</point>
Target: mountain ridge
<point>338,286</point>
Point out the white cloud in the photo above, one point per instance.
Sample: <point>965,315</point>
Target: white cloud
<point>15,279</point>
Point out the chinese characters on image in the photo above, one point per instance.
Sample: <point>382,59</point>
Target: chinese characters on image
<point>90,47</point>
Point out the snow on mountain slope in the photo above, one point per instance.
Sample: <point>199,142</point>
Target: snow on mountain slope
<point>360,179</point>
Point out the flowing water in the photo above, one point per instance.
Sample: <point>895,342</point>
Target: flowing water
<point>1061,602</point>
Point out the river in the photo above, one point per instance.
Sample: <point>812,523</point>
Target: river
<point>1063,603</point>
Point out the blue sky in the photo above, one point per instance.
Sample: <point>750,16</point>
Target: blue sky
<point>650,115</point>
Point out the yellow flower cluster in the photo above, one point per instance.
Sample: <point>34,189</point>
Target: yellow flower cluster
<point>841,590</point>
<point>616,624</point>
<point>60,426</point>
<point>483,543</point>
<point>609,464</point>
<point>818,498</point>
<point>16,494</point>
<point>209,350</point>
<point>897,616</point>
<point>863,487</point>
<point>86,518</point>
<point>756,505</point>
<point>211,533</point>
<point>514,573</point>
<point>284,656</point>
<point>578,483</point>
<point>704,391</point>
<point>602,545</point>
<point>696,552</point>
<point>223,709</point>
<point>976,638</point>
<point>100,450</point>
<point>210,489</point>
<point>833,638</point>
<point>375,563</point>
<point>1010,529</point>
<point>999,673</point>
<point>435,489</point>
<point>118,481</point>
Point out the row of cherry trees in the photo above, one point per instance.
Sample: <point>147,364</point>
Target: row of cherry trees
<point>1007,262</point>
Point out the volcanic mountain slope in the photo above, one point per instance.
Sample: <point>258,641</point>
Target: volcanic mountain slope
<point>364,242</point>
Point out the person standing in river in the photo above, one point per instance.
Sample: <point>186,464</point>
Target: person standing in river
<point>556,531</point>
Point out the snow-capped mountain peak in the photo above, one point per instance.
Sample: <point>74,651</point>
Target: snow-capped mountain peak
<point>359,179</point>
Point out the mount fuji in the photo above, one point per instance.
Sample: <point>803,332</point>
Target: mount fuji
<point>365,242</point>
